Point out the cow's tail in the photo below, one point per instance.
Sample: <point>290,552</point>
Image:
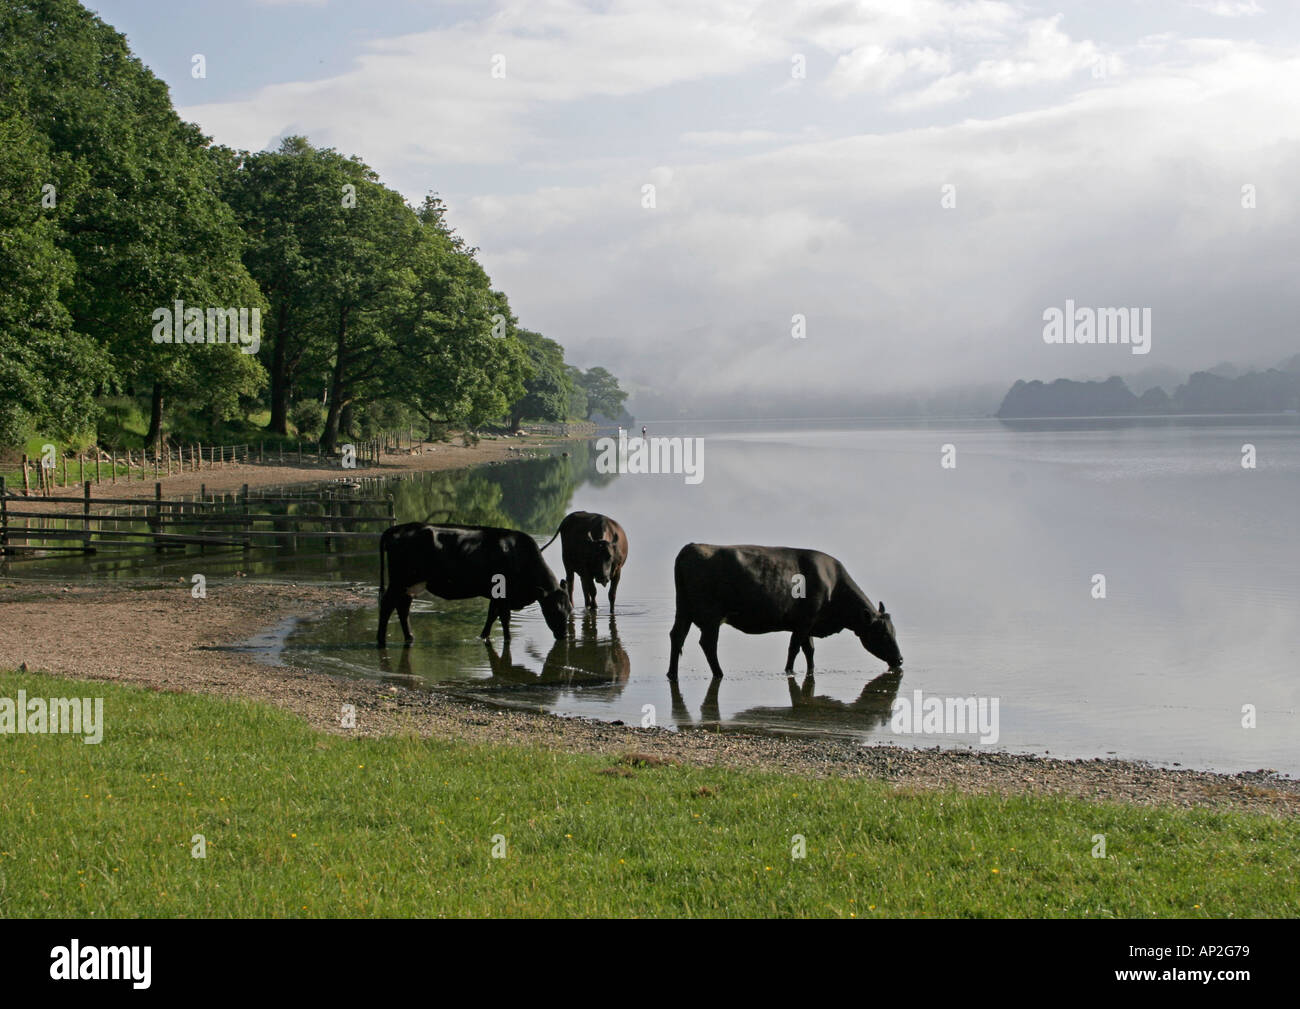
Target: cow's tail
<point>551,540</point>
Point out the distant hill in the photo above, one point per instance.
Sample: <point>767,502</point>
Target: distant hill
<point>1217,391</point>
<point>1067,398</point>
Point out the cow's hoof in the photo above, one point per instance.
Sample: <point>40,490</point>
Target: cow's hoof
<point>409,642</point>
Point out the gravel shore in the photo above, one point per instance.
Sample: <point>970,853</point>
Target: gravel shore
<point>164,640</point>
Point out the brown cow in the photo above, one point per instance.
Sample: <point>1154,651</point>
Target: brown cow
<point>594,546</point>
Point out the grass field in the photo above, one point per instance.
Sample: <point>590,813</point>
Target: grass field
<point>299,823</point>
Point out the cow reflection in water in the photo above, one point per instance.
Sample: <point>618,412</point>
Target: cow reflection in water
<point>873,707</point>
<point>586,661</point>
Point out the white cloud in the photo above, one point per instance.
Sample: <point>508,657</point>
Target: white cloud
<point>825,199</point>
<point>1125,194</point>
<point>1229,8</point>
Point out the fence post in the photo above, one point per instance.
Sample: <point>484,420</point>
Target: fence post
<point>157,515</point>
<point>85,516</point>
<point>114,456</point>
<point>248,540</point>
<point>98,453</point>
<point>65,471</point>
<point>26,486</point>
<point>4,516</point>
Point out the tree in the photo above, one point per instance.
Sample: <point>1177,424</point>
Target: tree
<point>603,394</point>
<point>363,285</point>
<point>289,202</point>
<point>546,391</point>
<point>48,371</point>
<point>578,405</point>
<point>461,358</point>
<point>142,219</point>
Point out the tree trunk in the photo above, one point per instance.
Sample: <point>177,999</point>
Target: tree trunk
<point>155,415</point>
<point>330,436</point>
<point>279,376</point>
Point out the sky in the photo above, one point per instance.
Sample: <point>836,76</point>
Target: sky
<point>918,181</point>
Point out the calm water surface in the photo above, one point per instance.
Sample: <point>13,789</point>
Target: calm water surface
<point>987,568</point>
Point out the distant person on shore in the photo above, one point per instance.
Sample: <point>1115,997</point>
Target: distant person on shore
<point>643,431</point>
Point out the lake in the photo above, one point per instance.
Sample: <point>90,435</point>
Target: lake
<point>988,568</point>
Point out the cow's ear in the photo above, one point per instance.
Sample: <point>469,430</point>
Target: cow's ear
<point>882,609</point>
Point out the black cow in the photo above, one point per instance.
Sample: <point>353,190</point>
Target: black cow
<point>595,547</point>
<point>461,562</point>
<point>763,589</point>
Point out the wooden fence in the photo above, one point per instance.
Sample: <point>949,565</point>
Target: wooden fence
<point>564,429</point>
<point>226,520</point>
<point>104,466</point>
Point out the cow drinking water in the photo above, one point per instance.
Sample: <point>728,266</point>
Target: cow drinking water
<point>759,590</point>
<point>462,562</point>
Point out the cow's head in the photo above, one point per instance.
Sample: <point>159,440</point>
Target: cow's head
<point>600,559</point>
<point>876,632</point>
<point>557,610</point>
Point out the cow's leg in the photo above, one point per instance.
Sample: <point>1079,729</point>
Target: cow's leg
<point>492,615</point>
<point>503,611</point>
<point>793,651</point>
<point>676,638</point>
<point>613,589</point>
<point>589,592</point>
<point>709,642</point>
<point>404,616</point>
<point>568,581</point>
<point>387,603</point>
<point>808,652</point>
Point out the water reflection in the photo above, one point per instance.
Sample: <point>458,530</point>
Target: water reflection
<point>532,494</point>
<point>807,711</point>
<point>872,708</point>
<point>583,661</point>
<point>591,663</point>
<point>710,711</point>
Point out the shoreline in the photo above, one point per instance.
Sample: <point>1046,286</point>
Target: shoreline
<point>428,457</point>
<point>156,639</point>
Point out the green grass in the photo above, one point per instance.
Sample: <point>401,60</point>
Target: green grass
<point>299,823</point>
